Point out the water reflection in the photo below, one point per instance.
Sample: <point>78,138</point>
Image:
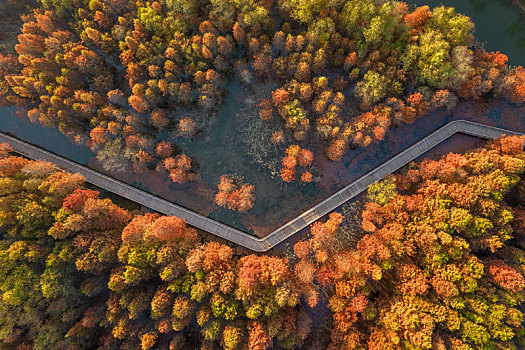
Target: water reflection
<point>47,138</point>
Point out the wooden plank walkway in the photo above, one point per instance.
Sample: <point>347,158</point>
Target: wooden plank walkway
<point>282,233</point>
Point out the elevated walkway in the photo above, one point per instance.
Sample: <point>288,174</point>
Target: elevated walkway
<point>282,233</point>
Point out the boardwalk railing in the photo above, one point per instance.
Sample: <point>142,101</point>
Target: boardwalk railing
<point>288,229</point>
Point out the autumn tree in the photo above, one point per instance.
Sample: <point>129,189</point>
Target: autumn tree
<point>234,194</point>
<point>148,300</point>
<point>296,157</point>
<point>58,245</point>
<point>437,235</point>
<point>179,168</point>
<point>187,127</point>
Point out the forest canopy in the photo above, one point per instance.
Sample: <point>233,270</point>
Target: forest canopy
<point>432,258</point>
<point>340,74</point>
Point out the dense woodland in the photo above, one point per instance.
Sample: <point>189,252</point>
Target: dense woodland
<point>433,258</point>
<point>132,79</point>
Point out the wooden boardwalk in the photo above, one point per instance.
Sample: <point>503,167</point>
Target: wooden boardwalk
<point>288,229</point>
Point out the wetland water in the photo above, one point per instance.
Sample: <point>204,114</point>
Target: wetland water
<point>218,153</point>
<point>498,25</point>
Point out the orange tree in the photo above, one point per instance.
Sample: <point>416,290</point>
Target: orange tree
<point>56,245</point>
<point>438,266</point>
<point>115,73</point>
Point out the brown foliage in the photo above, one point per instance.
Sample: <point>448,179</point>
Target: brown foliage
<point>159,119</point>
<point>170,228</point>
<point>336,149</point>
<point>187,127</point>
<point>296,157</point>
<point>234,195</point>
<point>164,149</point>
<point>179,168</point>
<point>418,17</point>
<point>505,276</point>
<point>288,174</point>
<point>280,97</point>
<point>277,137</point>
<point>75,201</point>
